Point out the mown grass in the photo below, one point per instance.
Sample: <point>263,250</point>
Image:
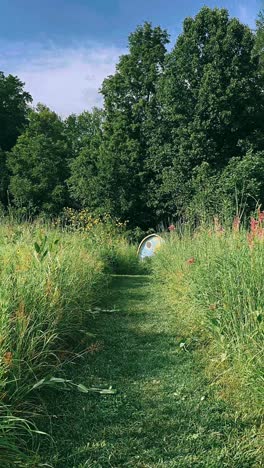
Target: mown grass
<point>164,414</point>
<point>49,281</point>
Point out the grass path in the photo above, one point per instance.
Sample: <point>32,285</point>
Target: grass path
<point>162,415</point>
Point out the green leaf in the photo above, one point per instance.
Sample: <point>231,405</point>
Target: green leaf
<point>82,388</point>
<point>259,318</point>
<point>108,391</point>
<point>38,384</point>
<point>44,255</point>
<point>37,247</point>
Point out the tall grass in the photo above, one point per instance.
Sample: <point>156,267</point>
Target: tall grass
<point>214,282</point>
<point>49,281</point>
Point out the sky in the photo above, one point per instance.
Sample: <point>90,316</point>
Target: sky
<point>63,49</point>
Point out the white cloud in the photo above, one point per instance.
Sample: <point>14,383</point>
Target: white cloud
<point>65,79</point>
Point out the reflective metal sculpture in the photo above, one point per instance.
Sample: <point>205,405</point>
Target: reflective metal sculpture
<point>149,246</point>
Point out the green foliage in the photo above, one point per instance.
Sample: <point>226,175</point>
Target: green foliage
<point>212,280</point>
<point>236,190</point>
<point>259,43</point>
<point>212,101</point>
<point>241,182</point>
<point>14,106</point>
<point>14,103</point>
<point>130,111</point>
<point>181,136</point>
<point>4,178</point>
<point>51,280</point>
<point>173,125</point>
<point>38,165</point>
<point>124,260</point>
<point>84,134</point>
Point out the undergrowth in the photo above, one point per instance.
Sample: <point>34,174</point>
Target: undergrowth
<point>213,280</point>
<point>53,278</point>
<point>50,280</point>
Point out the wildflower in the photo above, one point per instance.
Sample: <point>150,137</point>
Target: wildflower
<point>236,224</point>
<point>190,261</point>
<point>220,230</point>
<point>261,216</point>
<point>256,229</point>
<point>8,358</point>
<point>171,227</point>
<point>94,347</point>
<point>260,233</point>
<point>253,225</point>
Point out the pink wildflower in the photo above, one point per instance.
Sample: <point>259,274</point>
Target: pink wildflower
<point>190,261</point>
<point>261,216</point>
<point>254,225</point>
<point>256,229</point>
<point>236,224</point>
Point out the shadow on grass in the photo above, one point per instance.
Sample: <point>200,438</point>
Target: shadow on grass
<point>162,415</point>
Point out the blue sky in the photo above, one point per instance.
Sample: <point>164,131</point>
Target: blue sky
<point>63,49</point>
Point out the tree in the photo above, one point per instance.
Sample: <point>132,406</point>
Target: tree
<point>212,103</point>
<point>259,45</point>
<point>130,110</point>
<point>14,106</point>
<point>242,182</point>
<point>84,136</point>
<point>14,103</point>
<point>38,164</point>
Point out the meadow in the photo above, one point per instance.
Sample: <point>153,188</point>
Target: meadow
<point>106,361</point>
<point>50,280</point>
<point>75,313</point>
<point>213,280</point>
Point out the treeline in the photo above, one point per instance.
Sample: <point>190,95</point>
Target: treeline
<point>180,135</point>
